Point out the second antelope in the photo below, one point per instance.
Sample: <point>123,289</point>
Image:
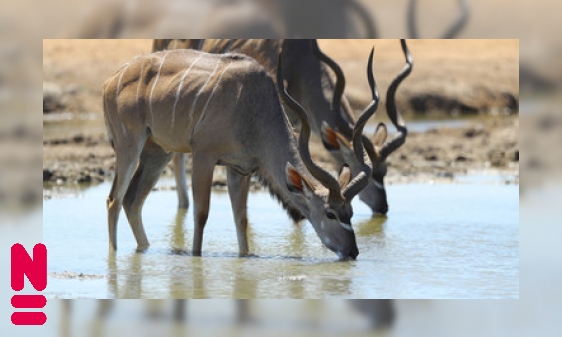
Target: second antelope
<point>308,79</point>
<point>224,110</point>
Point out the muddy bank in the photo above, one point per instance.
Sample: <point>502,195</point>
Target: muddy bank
<point>435,155</point>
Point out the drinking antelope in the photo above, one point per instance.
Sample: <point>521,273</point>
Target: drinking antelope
<point>224,110</point>
<point>378,148</point>
<point>309,81</point>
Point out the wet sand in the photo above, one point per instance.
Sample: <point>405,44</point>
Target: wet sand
<point>439,154</point>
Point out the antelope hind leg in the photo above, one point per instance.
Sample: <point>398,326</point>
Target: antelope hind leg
<point>153,160</point>
<point>127,158</point>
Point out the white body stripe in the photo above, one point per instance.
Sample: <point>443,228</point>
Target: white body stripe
<point>211,95</point>
<point>179,88</point>
<point>138,86</point>
<point>108,115</point>
<point>117,95</point>
<point>120,78</point>
<point>154,86</point>
<point>199,93</point>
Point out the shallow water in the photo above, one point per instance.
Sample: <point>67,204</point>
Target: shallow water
<point>438,241</point>
<point>65,124</point>
<point>422,125</point>
<point>69,124</point>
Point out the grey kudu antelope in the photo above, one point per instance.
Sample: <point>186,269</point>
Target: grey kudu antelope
<point>378,148</point>
<point>223,109</point>
<point>309,81</point>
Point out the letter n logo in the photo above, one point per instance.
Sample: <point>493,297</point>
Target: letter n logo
<point>36,271</point>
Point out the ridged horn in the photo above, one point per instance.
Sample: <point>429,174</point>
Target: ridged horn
<point>317,172</point>
<point>361,180</point>
<point>391,108</point>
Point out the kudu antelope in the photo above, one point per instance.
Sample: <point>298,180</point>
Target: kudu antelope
<point>309,81</point>
<point>224,110</point>
<point>378,148</point>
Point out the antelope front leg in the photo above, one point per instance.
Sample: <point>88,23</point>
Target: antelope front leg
<point>201,181</point>
<point>238,186</point>
<point>181,184</point>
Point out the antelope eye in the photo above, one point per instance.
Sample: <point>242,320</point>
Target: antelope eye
<point>330,215</point>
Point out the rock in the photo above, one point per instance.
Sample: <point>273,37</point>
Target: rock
<point>78,139</point>
<point>424,103</point>
<point>448,175</point>
<point>86,178</point>
<point>47,174</point>
<point>431,157</point>
<point>473,132</point>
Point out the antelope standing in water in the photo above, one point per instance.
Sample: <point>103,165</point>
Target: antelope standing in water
<point>309,81</point>
<point>224,110</point>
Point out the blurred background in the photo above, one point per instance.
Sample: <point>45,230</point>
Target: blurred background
<point>24,24</point>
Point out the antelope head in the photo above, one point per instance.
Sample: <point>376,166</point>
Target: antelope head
<point>377,148</point>
<point>329,203</point>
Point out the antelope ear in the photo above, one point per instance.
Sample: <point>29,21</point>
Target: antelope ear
<point>344,176</point>
<point>296,183</point>
<point>329,137</point>
<point>380,135</point>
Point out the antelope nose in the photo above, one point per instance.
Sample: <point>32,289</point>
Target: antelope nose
<point>382,209</point>
<point>353,252</point>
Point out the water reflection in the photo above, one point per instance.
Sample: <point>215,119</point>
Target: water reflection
<point>227,277</point>
<point>371,227</point>
<point>133,276</point>
<point>245,284</point>
<point>112,275</point>
<point>295,241</point>
<point>178,232</point>
<point>198,273</point>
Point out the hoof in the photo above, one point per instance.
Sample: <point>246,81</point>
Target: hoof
<point>142,249</point>
<point>247,254</point>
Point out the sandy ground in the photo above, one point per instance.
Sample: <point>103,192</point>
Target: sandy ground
<point>467,76</point>
<point>455,76</point>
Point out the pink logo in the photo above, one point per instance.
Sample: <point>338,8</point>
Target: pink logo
<point>36,271</point>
